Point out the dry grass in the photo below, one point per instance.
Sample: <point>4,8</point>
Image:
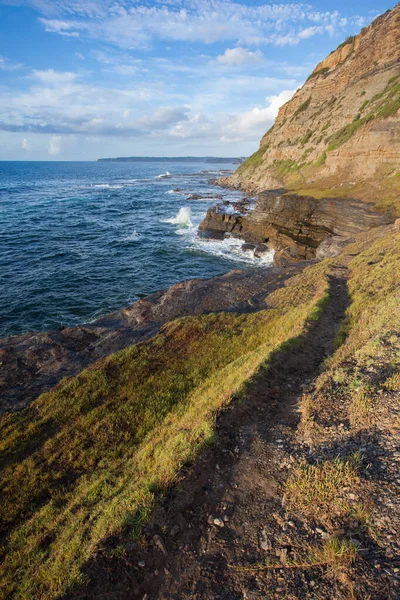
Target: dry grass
<point>360,409</point>
<point>316,489</point>
<point>334,553</point>
<point>392,383</point>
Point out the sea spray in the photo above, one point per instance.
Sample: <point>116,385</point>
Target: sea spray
<point>183,218</point>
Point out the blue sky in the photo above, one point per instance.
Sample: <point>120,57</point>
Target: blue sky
<point>80,79</point>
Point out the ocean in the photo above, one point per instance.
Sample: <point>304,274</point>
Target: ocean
<point>81,239</point>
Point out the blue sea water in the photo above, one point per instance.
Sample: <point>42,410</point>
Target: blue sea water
<point>78,240</point>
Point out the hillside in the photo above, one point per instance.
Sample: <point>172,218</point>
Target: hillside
<point>84,467</point>
<point>340,133</point>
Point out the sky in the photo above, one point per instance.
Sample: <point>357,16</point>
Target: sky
<point>83,79</point>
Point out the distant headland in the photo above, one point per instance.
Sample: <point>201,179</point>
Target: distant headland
<point>205,159</point>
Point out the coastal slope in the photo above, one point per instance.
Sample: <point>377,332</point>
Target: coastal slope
<point>340,133</point>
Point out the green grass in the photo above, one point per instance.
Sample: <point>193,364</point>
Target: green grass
<point>322,71</point>
<point>382,105</point>
<point>302,107</point>
<point>346,133</point>
<point>88,459</point>
<point>346,42</point>
<point>307,137</point>
<point>284,167</point>
<point>254,161</point>
<point>321,160</point>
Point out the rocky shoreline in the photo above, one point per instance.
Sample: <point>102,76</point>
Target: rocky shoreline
<point>32,363</point>
<point>295,227</point>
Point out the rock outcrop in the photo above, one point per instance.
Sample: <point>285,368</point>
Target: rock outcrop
<point>341,131</point>
<point>296,226</point>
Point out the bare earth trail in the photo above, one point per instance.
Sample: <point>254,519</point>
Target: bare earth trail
<point>224,513</point>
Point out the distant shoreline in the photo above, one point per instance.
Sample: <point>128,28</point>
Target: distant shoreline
<point>205,159</point>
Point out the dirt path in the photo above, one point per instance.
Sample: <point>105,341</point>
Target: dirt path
<point>224,513</point>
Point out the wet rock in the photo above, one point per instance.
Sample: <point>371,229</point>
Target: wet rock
<point>260,250</point>
<point>296,226</point>
<point>246,247</point>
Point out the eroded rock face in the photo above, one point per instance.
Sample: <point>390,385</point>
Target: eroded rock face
<point>297,226</point>
<point>342,128</point>
<point>33,363</point>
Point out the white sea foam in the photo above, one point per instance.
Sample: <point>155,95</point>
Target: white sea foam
<point>183,218</point>
<point>166,175</point>
<point>176,192</point>
<point>132,237</point>
<point>229,248</point>
<point>108,186</point>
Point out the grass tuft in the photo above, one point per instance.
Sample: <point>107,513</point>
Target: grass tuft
<point>316,488</point>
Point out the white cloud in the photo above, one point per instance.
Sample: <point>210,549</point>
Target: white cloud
<point>136,24</point>
<point>241,128</point>
<point>54,145</point>
<point>25,145</point>
<point>53,78</point>
<point>258,116</point>
<point>239,56</point>
<point>6,65</point>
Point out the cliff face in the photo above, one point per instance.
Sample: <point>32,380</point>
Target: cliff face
<point>341,130</point>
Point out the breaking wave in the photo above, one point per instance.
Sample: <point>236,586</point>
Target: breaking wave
<point>183,218</point>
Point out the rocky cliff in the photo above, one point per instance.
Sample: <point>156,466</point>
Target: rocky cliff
<point>340,133</point>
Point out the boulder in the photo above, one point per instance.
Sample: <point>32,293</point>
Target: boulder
<point>247,247</point>
<point>261,249</point>
<point>332,246</point>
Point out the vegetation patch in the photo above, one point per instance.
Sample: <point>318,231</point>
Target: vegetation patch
<point>345,133</point>
<point>254,161</point>
<point>322,71</point>
<point>360,409</point>
<point>307,137</point>
<point>316,488</point>
<point>303,107</point>
<point>321,160</point>
<point>346,42</point>
<point>284,167</point>
<point>87,460</point>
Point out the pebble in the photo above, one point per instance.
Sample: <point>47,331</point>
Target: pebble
<point>218,522</point>
<point>158,541</point>
<point>141,564</point>
<point>291,524</point>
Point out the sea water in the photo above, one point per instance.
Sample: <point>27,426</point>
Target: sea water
<point>78,240</point>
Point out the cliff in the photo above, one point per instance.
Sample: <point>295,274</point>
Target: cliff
<point>340,133</point>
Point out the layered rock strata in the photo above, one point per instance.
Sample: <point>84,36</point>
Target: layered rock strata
<point>296,226</point>
<point>342,128</point>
